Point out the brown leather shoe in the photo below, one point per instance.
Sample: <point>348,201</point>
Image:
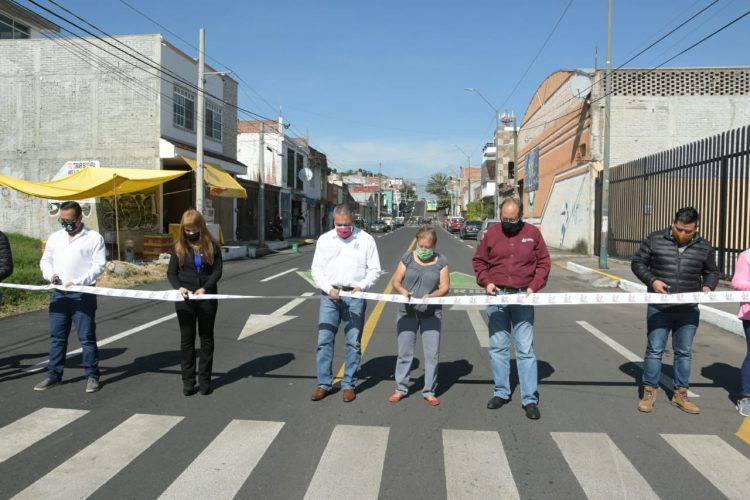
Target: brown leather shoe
<point>320,393</point>
<point>681,400</point>
<point>348,395</point>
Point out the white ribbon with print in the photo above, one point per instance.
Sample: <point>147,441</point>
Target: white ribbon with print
<point>536,299</point>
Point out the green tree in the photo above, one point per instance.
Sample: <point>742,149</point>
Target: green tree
<point>438,186</point>
<point>479,210</point>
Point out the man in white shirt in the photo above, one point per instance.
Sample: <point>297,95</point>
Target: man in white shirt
<point>346,259</point>
<point>74,255</point>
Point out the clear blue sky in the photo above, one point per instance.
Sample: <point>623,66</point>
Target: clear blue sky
<point>383,80</point>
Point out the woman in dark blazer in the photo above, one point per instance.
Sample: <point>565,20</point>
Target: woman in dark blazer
<point>195,267</point>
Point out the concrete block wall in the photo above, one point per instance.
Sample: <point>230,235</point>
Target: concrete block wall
<point>59,106</point>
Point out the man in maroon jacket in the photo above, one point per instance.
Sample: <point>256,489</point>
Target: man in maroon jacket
<point>512,258</point>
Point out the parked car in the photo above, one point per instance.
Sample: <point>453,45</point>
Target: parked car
<point>391,223</point>
<point>446,222</point>
<point>380,226</point>
<point>399,221</point>
<point>485,226</point>
<point>470,228</point>
<point>455,224</point>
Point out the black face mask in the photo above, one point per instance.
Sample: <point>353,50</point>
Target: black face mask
<point>193,237</point>
<point>70,227</point>
<point>512,228</point>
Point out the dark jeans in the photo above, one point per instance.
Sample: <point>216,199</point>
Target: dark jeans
<point>745,370</point>
<point>202,313</point>
<point>64,310</point>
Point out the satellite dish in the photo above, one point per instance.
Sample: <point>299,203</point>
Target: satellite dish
<point>580,86</point>
<point>305,174</point>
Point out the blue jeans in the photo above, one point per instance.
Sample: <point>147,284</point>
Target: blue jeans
<point>64,310</point>
<point>521,318</point>
<point>682,321</point>
<point>745,370</point>
<point>351,312</point>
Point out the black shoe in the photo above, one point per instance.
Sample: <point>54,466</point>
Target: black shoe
<point>205,389</point>
<point>188,390</point>
<point>532,411</point>
<point>496,402</point>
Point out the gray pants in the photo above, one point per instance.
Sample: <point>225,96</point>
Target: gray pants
<point>407,326</point>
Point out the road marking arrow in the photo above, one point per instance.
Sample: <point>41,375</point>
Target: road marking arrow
<point>257,323</point>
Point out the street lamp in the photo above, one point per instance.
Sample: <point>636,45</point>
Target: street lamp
<point>497,148</point>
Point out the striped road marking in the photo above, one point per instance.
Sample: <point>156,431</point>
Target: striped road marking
<point>222,468</point>
<point>726,468</point>
<point>625,352</point>
<point>361,447</point>
<point>477,323</point>
<point>34,427</point>
<point>277,275</point>
<point>600,467</point>
<point>89,469</point>
<point>476,466</point>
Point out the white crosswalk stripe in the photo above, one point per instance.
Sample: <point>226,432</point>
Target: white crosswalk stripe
<point>85,472</point>
<point>600,467</point>
<point>475,461</point>
<point>476,466</point>
<point>717,461</point>
<point>349,445</point>
<point>221,469</point>
<point>22,433</point>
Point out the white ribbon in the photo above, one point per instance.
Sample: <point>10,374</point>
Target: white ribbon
<point>536,299</point>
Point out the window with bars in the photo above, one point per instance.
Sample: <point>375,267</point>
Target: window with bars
<point>183,107</point>
<point>213,120</point>
<point>11,29</point>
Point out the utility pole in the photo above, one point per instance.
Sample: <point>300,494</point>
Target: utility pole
<point>515,156</point>
<point>200,125</point>
<point>497,165</point>
<point>261,184</point>
<point>603,244</point>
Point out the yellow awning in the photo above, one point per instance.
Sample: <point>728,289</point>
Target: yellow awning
<point>92,182</point>
<point>221,183</point>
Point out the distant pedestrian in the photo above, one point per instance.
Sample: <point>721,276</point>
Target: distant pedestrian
<point>346,259</point>
<point>195,267</point>
<point>512,258</point>
<point>74,255</point>
<point>673,260</point>
<point>300,225</point>
<point>741,281</point>
<point>421,274</point>
<point>6,261</point>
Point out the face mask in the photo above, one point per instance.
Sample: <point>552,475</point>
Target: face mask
<point>193,237</point>
<point>69,226</point>
<point>425,254</point>
<point>344,232</point>
<point>511,228</point>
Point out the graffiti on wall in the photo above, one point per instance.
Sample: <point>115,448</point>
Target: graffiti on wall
<point>136,211</point>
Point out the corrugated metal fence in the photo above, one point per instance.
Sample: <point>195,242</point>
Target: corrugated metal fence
<point>712,175</point>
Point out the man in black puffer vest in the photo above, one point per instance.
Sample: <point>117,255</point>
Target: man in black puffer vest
<point>675,260</point>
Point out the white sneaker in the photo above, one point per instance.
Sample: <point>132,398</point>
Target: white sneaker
<point>92,385</point>
<point>743,406</point>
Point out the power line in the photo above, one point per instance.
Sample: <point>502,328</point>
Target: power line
<point>641,52</point>
<point>650,70</point>
<point>539,52</point>
<point>143,59</point>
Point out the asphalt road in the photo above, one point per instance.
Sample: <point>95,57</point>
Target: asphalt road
<point>259,435</point>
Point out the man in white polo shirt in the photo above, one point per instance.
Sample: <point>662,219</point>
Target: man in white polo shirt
<point>74,255</point>
<point>346,259</point>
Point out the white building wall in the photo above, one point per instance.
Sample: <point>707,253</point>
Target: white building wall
<point>58,106</point>
<point>247,153</point>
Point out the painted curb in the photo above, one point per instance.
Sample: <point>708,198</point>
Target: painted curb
<point>722,319</point>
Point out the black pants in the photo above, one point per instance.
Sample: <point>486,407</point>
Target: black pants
<point>202,313</point>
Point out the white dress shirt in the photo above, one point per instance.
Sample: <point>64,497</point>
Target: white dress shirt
<point>352,262</point>
<point>79,260</point>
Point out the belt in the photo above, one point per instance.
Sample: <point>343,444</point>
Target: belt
<point>343,288</point>
<point>506,289</point>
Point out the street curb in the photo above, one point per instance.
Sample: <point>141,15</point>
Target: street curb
<point>722,319</point>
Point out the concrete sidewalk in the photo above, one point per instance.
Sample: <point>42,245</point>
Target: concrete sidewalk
<point>722,315</point>
<point>235,250</point>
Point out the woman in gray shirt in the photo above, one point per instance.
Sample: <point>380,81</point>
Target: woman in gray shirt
<point>420,274</point>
